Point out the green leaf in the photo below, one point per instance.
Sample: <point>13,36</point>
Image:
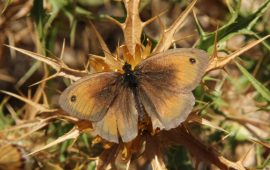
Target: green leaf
<point>91,165</point>
<point>198,26</point>
<point>73,33</point>
<point>238,24</point>
<point>83,13</point>
<point>256,84</point>
<point>92,2</point>
<point>85,140</point>
<point>38,15</point>
<point>178,159</point>
<point>59,4</point>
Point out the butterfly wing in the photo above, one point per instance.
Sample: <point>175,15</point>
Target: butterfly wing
<point>166,81</point>
<point>121,118</point>
<point>103,99</point>
<point>90,97</point>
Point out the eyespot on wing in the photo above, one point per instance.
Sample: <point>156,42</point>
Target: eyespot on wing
<point>183,67</point>
<point>90,97</point>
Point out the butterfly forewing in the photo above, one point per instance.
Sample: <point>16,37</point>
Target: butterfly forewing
<point>166,81</point>
<point>121,118</point>
<point>90,97</point>
<point>179,68</point>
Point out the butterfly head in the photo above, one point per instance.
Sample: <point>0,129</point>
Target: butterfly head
<point>129,76</point>
<point>127,67</point>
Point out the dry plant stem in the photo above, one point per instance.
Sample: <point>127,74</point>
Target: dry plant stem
<point>27,124</point>
<point>37,106</point>
<point>106,157</point>
<point>6,78</point>
<point>72,134</point>
<point>157,164</point>
<point>204,153</point>
<point>13,114</point>
<point>57,64</point>
<point>30,110</point>
<point>257,123</point>
<point>218,62</point>
<point>108,56</point>
<point>196,118</point>
<point>265,144</point>
<point>133,25</point>
<point>166,38</point>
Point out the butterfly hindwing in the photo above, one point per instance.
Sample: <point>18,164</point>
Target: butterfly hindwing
<point>166,81</point>
<point>90,97</point>
<point>166,108</point>
<point>121,118</point>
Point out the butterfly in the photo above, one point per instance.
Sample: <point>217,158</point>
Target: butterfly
<point>12,157</point>
<point>159,87</point>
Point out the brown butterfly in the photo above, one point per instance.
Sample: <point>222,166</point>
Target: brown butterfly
<point>159,87</point>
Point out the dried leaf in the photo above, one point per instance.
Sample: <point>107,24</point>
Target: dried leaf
<point>133,25</point>
<point>39,107</point>
<point>166,39</point>
<point>58,65</point>
<point>72,134</point>
<point>158,164</point>
<point>220,62</point>
<point>202,121</point>
<point>256,84</point>
<point>109,59</point>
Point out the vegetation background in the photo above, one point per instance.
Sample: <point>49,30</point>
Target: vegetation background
<point>234,99</point>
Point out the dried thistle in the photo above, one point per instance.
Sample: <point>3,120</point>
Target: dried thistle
<point>147,148</point>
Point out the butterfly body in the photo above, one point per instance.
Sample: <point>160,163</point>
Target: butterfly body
<point>129,77</point>
<point>160,87</point>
